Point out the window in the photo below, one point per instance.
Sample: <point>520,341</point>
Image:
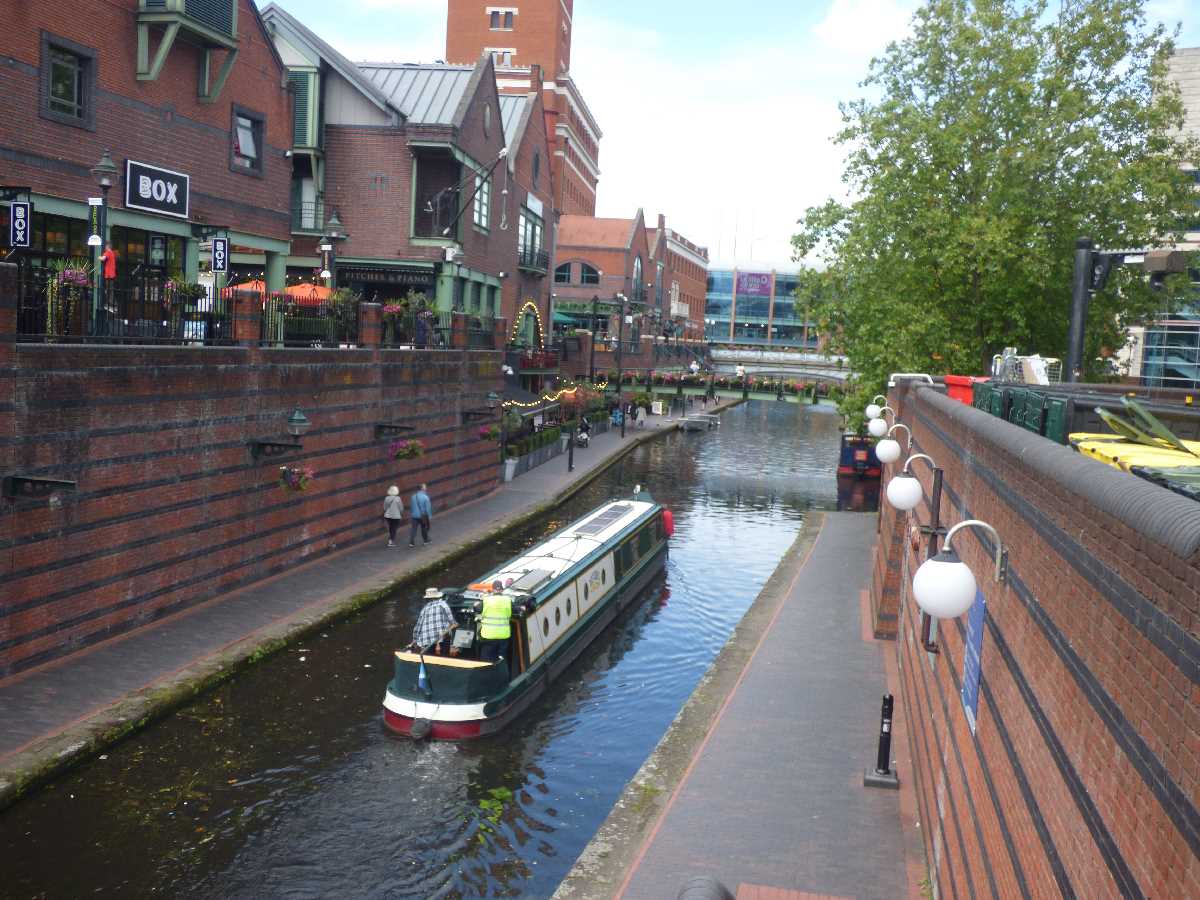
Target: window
<point>495,19</point>
<point>537,167</point>
<point>247,142</point>
<point>68,80</point>
<point>529,234</point>
<point>562,275</point>
<point>637,277</point>
<point>588,275</point>
<point>508,20</point>
<point>483,201</point>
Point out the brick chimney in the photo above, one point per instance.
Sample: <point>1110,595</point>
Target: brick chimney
<point>535,78</point>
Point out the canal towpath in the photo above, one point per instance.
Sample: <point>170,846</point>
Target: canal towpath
<point>69,710</point>
<point>758,784</point>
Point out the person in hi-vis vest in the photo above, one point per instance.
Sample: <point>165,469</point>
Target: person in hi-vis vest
<point>495,626</point>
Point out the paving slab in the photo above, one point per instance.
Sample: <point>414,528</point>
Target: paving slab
<point>69,709</point>
<point>760,778</point>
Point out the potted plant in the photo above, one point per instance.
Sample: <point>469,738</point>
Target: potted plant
<point>409,449</point>
<point>489,432</point>
<point>296,478</point>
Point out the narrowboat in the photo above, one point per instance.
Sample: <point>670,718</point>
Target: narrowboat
<point>564,592</point>
<point>856,457</point>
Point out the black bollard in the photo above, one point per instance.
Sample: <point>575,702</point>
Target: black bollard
<point>883,776</point>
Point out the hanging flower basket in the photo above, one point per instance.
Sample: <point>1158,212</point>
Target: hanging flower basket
<point>296,478</point>
<point>406,449</point>
<point>489,433</point>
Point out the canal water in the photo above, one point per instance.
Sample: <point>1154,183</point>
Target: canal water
<point>284,783</point>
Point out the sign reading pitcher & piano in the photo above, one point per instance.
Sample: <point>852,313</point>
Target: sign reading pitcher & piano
<point>156,190</point>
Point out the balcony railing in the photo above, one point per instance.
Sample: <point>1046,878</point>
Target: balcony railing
<point>308,217</point>
<point>528,361</point>
<point>533,259</point>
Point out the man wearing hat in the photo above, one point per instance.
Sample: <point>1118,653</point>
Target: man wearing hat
<point>434,624</point>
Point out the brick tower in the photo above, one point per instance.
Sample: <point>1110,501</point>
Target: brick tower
<point>531,42</point>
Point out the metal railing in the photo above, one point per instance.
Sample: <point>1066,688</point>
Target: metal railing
<point>54,307</point>
<point>1170,355</point>
<point>533,258</point>
<point>408,329</point>
<point>481,334</point>
<point>308,216</point>
<point>532,360</point>
<point>306,322</point>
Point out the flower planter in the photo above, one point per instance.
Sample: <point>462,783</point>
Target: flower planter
<point>510,468</point>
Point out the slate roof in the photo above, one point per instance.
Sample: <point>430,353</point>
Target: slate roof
<point>512,108</point>
<point>426,94</point>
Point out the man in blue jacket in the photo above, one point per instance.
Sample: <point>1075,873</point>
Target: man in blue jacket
<point>421,510</point>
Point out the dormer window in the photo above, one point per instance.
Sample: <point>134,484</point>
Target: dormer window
<point>247,142</point>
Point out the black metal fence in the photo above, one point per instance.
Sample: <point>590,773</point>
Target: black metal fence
<point>63,306</point>
<point>307,321</point>
<point>424,329</point>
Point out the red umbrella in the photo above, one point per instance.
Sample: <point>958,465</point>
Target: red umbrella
<point>308,294</point>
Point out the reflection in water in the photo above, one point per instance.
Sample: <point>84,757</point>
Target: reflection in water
<point>284,781</point>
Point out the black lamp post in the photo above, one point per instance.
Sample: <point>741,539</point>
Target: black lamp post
<point>105,173</point>
<point>620,346</point>
<point>334,232</point>
<point>592,360</point>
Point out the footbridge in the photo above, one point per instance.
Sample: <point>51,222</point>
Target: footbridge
<point>781,364</point>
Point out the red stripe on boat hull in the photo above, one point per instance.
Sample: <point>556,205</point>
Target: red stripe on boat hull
<point>439,731</point>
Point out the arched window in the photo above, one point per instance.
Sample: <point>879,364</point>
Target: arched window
<point>588,275</point>
<point>562,275</point>
<point>537,167</point>
<point>638,287</point>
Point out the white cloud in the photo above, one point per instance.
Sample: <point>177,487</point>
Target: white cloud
<point>859,29</point>
<point>731,147</point>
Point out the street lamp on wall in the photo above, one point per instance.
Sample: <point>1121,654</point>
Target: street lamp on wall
<point>878,426</point>
<point>297,426</point>
<point>944,586</point>
<point>888,449</point>
<point>873,409</point>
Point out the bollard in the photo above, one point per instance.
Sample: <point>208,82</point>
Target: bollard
<point>883,776</point>
<point>571,450</point>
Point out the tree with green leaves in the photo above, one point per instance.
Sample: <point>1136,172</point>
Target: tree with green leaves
<point>997,134</point>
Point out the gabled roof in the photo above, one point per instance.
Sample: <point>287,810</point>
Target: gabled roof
<point>426,94</point>
<point>348,70</point>
<point>588,231</point>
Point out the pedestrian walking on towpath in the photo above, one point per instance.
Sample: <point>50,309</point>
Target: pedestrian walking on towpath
<point>421,510</point>
<point>393,513</point>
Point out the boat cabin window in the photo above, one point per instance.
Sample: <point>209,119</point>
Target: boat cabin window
<point>645,541</point>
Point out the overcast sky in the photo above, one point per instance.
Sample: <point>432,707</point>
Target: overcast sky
<point>717,114</point>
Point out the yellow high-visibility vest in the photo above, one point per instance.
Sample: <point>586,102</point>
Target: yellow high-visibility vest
<point>494,622</point>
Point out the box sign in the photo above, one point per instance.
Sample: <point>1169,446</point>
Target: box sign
<point>156,190</point>
<point>972,658</point>
<point>754,284</point>
<point>220,254</point>
<point>18,225</point>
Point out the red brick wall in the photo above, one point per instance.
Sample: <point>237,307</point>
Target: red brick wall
<point>536,34</point>
<point>1084,774</point>
<point>158,122</point>
<point>521,286</point>
<point>171,509</point>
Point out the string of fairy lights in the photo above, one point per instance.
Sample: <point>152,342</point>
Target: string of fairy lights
<point>552,398</point>
<point>519,319</point>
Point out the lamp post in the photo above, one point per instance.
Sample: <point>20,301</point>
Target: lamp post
<point>592,359</point>
<point>904,492</point>
<point>334,232</point>
<point>105,173</point>
<point>620,346</point>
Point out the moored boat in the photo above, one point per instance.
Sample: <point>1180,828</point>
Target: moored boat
<point>564,592</point>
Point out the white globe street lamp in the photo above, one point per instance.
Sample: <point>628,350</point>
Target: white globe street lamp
<point>877,427</point>
<point>944,586</point>
<point>873,409</point>
<point>888,449</point>
<point>904,492</point>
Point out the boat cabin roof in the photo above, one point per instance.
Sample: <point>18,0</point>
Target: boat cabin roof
<point>543,563</point>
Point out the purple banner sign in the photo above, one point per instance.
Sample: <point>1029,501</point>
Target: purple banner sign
<point>754,284</point>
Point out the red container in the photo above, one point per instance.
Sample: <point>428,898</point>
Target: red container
<point>961,388</point>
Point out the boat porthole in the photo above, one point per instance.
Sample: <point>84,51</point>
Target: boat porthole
<point>557,616</point>
<point>546,627</point>
<point>568,606</point>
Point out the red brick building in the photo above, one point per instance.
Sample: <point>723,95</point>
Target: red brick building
<point>531,46</point>
<point>680,281</point>
<point>82,79</point>
<point>439,188</point>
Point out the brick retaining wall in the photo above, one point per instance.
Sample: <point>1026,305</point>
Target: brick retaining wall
<point>1083,778</point>
<point>171,508</point>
